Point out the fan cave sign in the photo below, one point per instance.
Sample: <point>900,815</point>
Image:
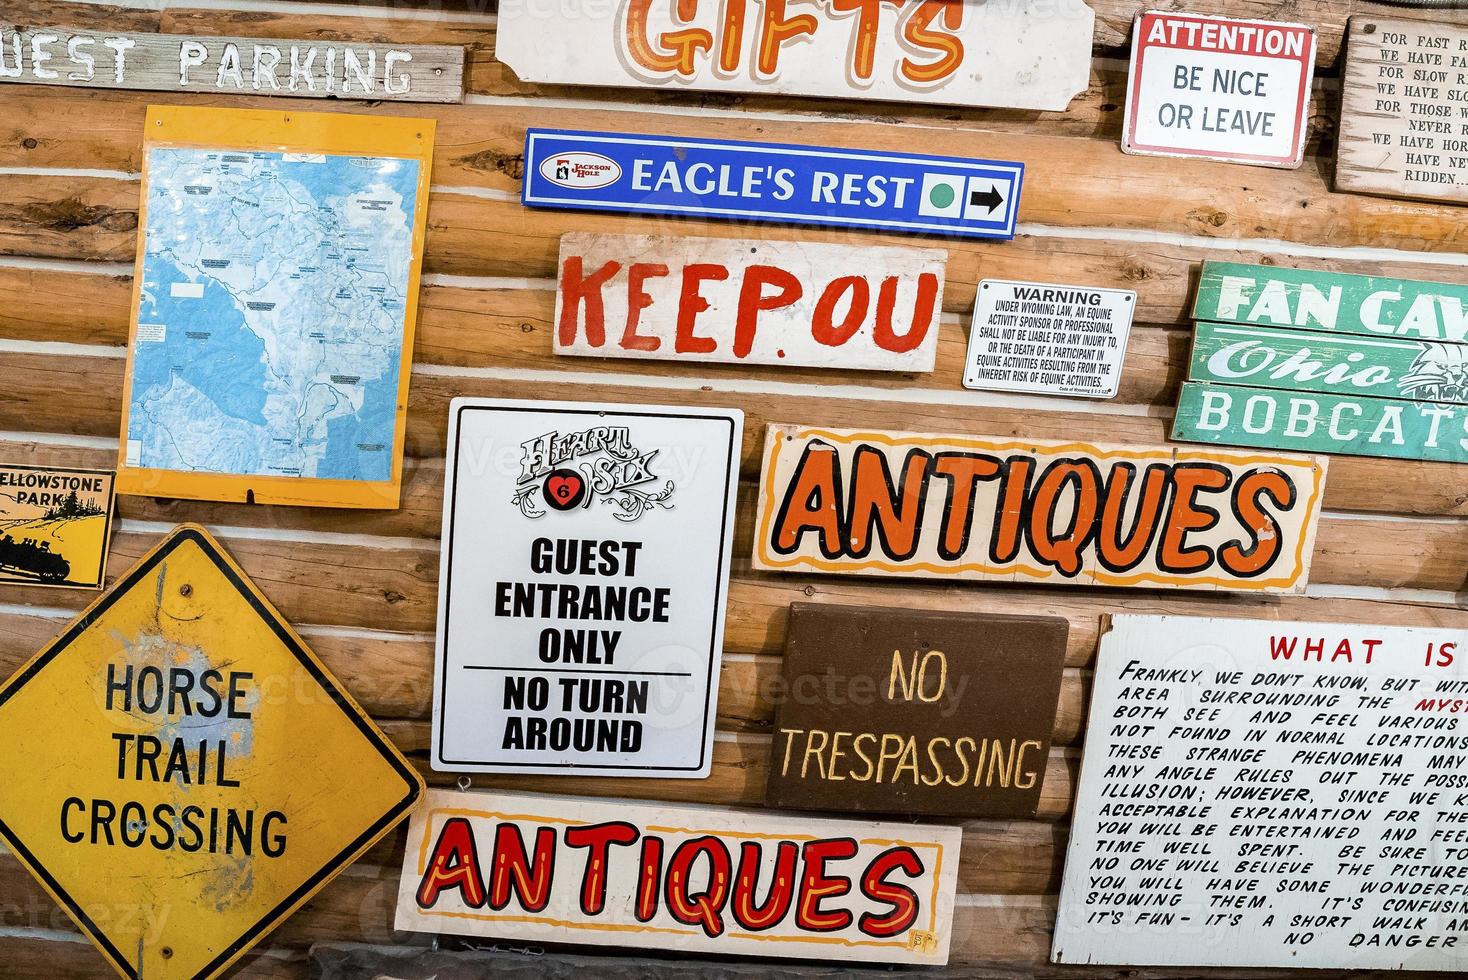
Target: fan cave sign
<point>1322,361</point>
<point>797,304</point>
<point>585,571</point>
<point>685,878</point>
<point>1026,55</point>
<point>1003,509</point>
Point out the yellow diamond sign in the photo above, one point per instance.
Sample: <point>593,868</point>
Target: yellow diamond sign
<point>181,773</point>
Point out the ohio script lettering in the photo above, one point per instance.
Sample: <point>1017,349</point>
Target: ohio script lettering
<point>982,508</point>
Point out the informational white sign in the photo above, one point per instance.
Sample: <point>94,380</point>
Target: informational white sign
<point>1266,794</point>
<point>1025,55</point>
<point>686,878</point>
<point>585,569</point>
<point>744,302</point>
<point>1215,87</point>
<point>1048,339</point>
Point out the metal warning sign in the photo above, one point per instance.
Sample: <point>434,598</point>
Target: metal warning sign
<point>180,753</point>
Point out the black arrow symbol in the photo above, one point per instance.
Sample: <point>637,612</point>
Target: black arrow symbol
<point>990,198</point>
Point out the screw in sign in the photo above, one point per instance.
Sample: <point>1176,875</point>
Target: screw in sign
<point>1219,88</point>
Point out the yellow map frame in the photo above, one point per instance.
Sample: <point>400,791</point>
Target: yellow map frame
<point>289,132</point>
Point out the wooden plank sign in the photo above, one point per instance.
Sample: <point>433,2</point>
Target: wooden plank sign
<point>981,508</point>
<point>231,65</point>
<point>55,525</point>
<point>1357,365</point>
<point>179,760</point>
<point>585,569</point>
<point>684,878</point>
<point>1404,110</point>
<point>1310,299</point>
<point>1048,339</point>
<point>895,711</point>
<point>740,302</point>
<point>946,52</point>
<point>1219,88</point>
<point>1266,794</point>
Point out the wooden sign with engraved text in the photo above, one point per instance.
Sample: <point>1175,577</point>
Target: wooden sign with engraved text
<point>1404,110</point>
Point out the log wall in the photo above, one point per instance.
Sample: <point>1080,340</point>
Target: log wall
<point>1393,543</point>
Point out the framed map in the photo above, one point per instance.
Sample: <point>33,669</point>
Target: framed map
<point>274,300</point>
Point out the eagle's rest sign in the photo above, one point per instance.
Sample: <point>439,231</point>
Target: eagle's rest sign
<point>686,878</point>
<point>975,507</point>
<point>231,65</point>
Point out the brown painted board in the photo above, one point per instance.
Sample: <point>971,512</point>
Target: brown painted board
<point>1404,110</point>
<point>887,710</point>
<point>231,65</point>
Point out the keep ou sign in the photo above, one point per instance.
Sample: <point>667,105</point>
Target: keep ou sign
<point>713,299</point>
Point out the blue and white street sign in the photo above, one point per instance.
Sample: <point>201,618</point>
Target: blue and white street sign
<point>772,182</point>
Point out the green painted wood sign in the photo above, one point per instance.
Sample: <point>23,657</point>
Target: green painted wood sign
<point>1264,295</point>
<point>1314,361</point>
<point>1313,422</point>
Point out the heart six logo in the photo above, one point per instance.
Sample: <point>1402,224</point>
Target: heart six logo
<point>571,471</point>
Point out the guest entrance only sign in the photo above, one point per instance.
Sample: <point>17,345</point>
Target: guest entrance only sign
<point>1024,55</point>
<point>684,878</point>
<point>1218,88</point>
<point>1267,794</point>
<point>583,581</point>
<point>1024,510</point>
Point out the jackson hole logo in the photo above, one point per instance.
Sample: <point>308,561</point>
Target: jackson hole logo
<point>571,471</point>
<point>581,170</point>
<point>1439,374</point>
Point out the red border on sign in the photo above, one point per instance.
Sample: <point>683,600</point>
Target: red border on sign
<point>1134,90</point>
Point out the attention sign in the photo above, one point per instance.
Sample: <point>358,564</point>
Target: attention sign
<point>585,571</point>
<point>741,302</point>
<point>894,711</point>
<point>736,181</point>
<point>179,758</point>
<point>1266,794</point>
<point>684,878</point>
<point>1215,87</point>
<point>986,508</point>
<point>944,52</point>
<point>1404,110</point>
<point>55,525</point>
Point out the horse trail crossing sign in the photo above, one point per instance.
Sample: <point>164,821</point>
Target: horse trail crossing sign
<point>869,190</point>
<point>181,773</point>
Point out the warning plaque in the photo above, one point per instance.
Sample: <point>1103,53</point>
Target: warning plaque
<point>179,760</point>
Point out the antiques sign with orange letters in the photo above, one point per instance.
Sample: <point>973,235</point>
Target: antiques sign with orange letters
<point>989,508</point>
<point>901,711</point>
<point>682,878</point>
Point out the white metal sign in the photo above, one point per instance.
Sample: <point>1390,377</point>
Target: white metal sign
<point>1048,339</point>
<point>584,574</point>
<point>743,302</point>
<point>1027,55</point>
<point>1219,88</point>
<point>1266,794</point>
<point>685,878</point>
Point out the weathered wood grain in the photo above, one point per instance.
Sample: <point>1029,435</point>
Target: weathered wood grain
<point>1070,183</point>
<point>65,393</point>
